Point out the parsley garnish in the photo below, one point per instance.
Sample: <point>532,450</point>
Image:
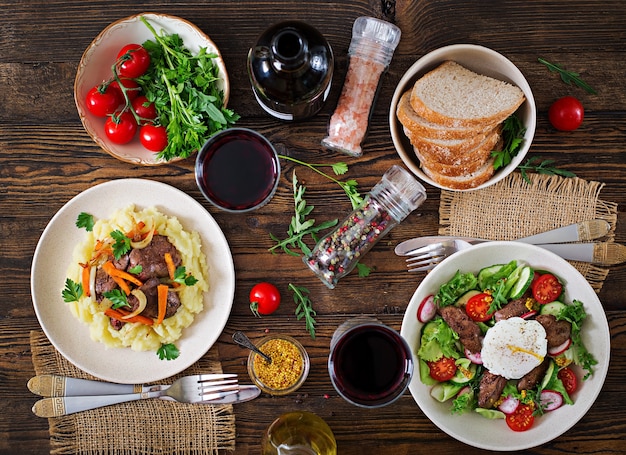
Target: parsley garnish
<point>575,314</point>
<point>542,167</point>
<point>512,135</point>
<point>185,92</point>
<point>363,270</point>
<point>136,270</point>
<point>568,77</point>
<point>73,291</point>
<point>117,297</point>
<point>168,351</point>
<point>304,307</point>
<point>181,276</point>
<point>121,245</point>
<point>85,220</point>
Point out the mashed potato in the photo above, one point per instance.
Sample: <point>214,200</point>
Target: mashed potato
<point>140,337</point>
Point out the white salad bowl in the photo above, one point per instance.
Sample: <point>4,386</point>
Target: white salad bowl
<point>97,60</point>
<point>473,429</point>
<point>481,60</point>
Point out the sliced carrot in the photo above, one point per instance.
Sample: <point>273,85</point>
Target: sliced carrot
<point>162,291</point>
<point>122,284</point>
<point>112,271</point>
<point>171,268</point>
<point>119,315</point>
<point>136,230</point>
<point>85,279</point>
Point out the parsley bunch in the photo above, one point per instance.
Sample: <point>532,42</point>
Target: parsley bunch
<point>184,90</point>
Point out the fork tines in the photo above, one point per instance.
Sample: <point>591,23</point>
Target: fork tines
<point>219,385</point>
<point>426,258</point>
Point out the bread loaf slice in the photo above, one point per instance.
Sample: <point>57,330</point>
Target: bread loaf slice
<point>464,181</point>
<point>457,97</point>
<point>419,126</point>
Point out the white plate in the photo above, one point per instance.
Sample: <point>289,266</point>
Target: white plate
<point>473,429</point>
<point>54,254</point>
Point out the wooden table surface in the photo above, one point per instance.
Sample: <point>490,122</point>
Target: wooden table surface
<point>46,158</point>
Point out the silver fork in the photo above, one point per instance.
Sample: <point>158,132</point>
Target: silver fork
<point>427,257</point>
<point>189,389</point>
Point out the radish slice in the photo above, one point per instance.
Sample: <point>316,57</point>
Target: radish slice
<point>427,309</point>
<point>551,400</point>
<point>474,357</point>
<point>560,349</point>
<point>509,405</point>
<point>464,390</point>
<point>529,314</point>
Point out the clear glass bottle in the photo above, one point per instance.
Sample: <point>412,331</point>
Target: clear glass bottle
<point>291,69</point>
<point>387,204</point>
<point>371,49</point>
<point>298,433</point>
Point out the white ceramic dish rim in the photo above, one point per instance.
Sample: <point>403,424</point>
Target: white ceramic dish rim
<point>459,53</point>
<point>71,337</point>
<point>93,70</point>
<point>473,429</point>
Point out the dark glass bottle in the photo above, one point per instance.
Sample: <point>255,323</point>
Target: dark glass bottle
<point>291,69</point>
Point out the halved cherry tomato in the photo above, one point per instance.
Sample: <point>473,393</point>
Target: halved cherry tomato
<point>442,369</point>
<point>121,128</point>
<point>521,419</point>
<point>132,61</point>
<point>547,288</point>
<point>477,307</point>
<point>144,109</point>
<point>566,114</point>
<point>103,100</point>
<point>264,298</point>
<point>153,137</point>
<point>569,379</point>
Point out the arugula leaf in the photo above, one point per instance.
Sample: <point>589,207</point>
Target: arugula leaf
<point>85,220</point>
<point>168,351</point>
<point>117,297</point>
<point>542,167</point>
<point>73,291</point>
<point>512,135</point>
<point>459,284</point>
<point>304,307</point>
<point>575,314</point>
<point>121,245</point>
<point>185,91</point>
<point>568,77</point>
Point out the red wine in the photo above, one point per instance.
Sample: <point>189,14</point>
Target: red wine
<point>237,170</point>
<point>371,365</point>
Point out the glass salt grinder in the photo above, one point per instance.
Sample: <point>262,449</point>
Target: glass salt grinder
<point>291,69</point>
<point>388,203</point>
<point>371,49</point>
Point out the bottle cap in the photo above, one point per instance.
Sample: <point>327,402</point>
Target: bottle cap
<point>374,38</point>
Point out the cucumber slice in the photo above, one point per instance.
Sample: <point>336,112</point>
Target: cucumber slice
<point>443,391</point>
<point>465,297</point>
<point>465,372</point>
<point>490,413</point>
<point>553,308</point>
<point>488,272</point>
<point>523,282</point>
<point>548,376</point>
<point>512,279</point>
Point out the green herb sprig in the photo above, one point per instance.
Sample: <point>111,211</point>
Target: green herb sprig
<point>513,136</point>
<point>304,307</point>
<point>121,245</point>
<point>168,351</point>
<point>300,226</point>
<point>569,77</point>
<point>117,298</point>
<point>85,220</point>
<point>185,92</point>
<point>73,291</point>
<point>542,166</point>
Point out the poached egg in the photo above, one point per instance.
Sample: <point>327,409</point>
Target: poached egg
<point>513,347</point>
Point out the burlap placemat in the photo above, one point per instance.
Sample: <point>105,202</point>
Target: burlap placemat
<point>148,427</point>
<point>513,208</point>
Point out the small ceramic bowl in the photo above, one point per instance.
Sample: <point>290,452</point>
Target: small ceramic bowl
<point>288,370</point>
<point>95,68</point>
<point>481,60</point>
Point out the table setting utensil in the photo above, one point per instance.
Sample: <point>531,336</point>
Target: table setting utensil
<point>210,389</point>
<point>242,340</point>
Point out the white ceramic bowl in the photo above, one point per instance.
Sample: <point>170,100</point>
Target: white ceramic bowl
<point>483,61</point>
<point>95,68</point>
<point>473,429</point>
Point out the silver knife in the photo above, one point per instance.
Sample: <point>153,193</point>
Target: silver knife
<point>58,406</point>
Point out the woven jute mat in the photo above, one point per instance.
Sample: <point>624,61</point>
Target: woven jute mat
<point>151,427</point>
<point>514,208</point>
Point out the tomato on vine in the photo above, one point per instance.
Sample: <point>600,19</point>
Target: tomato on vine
<point>103,100</point>
<point>153,137</point>
<point>132,88</point>
<point>264,298</point>
<point>120,128</point>
<point>132,61</point>
<point>144,109</point>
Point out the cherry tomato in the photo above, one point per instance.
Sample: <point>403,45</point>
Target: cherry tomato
<point>566,114</point>
<point>121,128</point>
<point>546,288</point>
<point>153,137</point>
<point>442,369</point>
<point>144,109</point>
<point>132,88</point>
<point>102,100</point>
<point>477,307</point>
<point>521,419</point>
<point>569,379</point>
<point>132,61</point>
<point>264,298</point>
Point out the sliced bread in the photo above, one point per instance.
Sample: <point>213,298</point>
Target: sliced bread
<point>456,97</point>
<point>465,181</point>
